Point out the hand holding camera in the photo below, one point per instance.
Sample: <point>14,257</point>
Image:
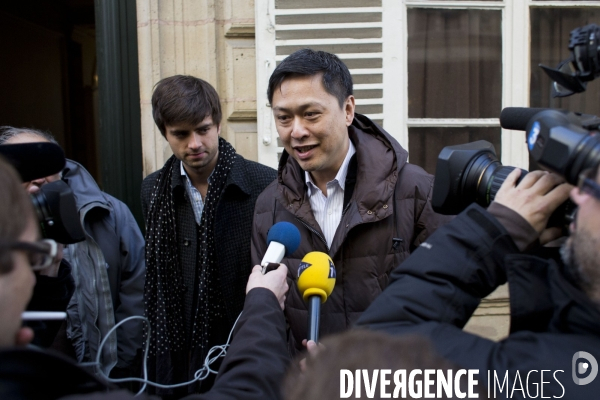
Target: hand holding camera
<point>535,197</point>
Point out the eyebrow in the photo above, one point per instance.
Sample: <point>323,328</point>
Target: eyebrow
<point>177,131</point>
<point>185,131</point>
<point>302,106</point>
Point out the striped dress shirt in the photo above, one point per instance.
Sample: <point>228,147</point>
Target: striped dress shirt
<point>194,195</point>
<point>328,209</point>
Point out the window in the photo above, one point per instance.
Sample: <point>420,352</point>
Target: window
<point>433,73</point>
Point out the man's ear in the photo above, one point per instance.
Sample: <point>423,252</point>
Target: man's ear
<point>219,130</point>
<point>349,107</point>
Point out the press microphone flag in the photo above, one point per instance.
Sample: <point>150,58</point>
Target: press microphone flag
<point>282,240</point>
<point>316,280</point>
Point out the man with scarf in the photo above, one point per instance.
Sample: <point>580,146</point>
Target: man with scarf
<point>198,210</point>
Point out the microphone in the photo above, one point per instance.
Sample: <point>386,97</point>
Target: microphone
<point>283,239</point>
<point>316,279</point>
<point>34,160</point>
<point>516,118</point>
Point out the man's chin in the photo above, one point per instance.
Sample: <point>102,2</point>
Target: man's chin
<point>578,256</point>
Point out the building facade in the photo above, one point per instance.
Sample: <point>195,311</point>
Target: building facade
<point>433,73</point>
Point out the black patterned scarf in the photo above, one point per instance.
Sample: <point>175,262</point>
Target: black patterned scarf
<point>163,291</point>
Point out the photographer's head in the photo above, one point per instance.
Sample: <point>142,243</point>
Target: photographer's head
<point>18,236</point>
<point>12,135</point>
<point>581,252</point>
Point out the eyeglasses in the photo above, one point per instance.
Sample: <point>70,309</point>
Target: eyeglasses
<point>587,183</point>
<point>40,253</point>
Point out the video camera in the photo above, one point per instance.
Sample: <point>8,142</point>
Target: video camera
<point>54,203</point>
<point>559,141</point>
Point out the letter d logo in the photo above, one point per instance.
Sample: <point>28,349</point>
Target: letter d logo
<point>583,368</point>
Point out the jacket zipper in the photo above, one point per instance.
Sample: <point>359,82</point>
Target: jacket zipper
<point>344,210</point>
<point>310,228</point>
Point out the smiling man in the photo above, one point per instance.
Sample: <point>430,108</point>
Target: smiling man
<point>198,210</point>
<point>345,183</point>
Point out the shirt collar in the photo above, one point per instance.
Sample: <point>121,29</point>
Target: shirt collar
<point>188,180</point>
<point>340,177</point>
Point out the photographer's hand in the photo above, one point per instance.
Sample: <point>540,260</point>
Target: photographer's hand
<point>535,198</point>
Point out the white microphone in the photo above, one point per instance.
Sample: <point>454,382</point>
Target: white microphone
<point>282,240</point>
<point>43,315</point>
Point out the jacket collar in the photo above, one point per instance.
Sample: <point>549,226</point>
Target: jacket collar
<point>85,189</point>
<point>558,304</point>
<point>237,177</point>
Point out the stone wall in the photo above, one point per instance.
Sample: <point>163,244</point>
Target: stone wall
<point>209,39</point>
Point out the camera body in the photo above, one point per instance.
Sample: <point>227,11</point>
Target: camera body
<point>55,203</point>
<point>559,141</point>
<point>57,213</point>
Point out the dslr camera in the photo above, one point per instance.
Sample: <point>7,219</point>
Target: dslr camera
<point>559,141</point>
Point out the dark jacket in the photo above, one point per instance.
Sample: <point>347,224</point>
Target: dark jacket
<point>50,294</point>
<point>253,368</point>
<point>387,214</point>
<point>436,290</point>
<point>232,229</point>
<point>109,269</point>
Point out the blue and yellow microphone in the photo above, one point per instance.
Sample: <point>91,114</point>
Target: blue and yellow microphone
<point>316,279</point>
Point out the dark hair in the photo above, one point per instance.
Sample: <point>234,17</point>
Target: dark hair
<point>8,132</point>
<point>361,349</point>
<point>184,98</point>
<point>337,80</point>
<point>16,211</point>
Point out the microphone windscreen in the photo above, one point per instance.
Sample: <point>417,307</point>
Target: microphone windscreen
<point>34,160</point>
<point>285,233</point>
<point>316,275</point>
<point>516,118</point>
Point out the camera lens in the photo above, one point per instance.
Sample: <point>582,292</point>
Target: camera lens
<point>483,178</point>
<point>491,183</point>
<point>471,173</point>
<point>465,174</point>
<point>42,210</point>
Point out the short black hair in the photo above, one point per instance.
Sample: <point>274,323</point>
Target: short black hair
<point>184,98</point>
<point>337,80</point>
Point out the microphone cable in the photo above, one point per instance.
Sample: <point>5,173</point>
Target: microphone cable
<point>199,375</point>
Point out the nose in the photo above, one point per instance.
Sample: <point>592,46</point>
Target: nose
<point>195,141</point>
<point>299,130</point>
<point>577,196</point>
<point>35,185</point>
